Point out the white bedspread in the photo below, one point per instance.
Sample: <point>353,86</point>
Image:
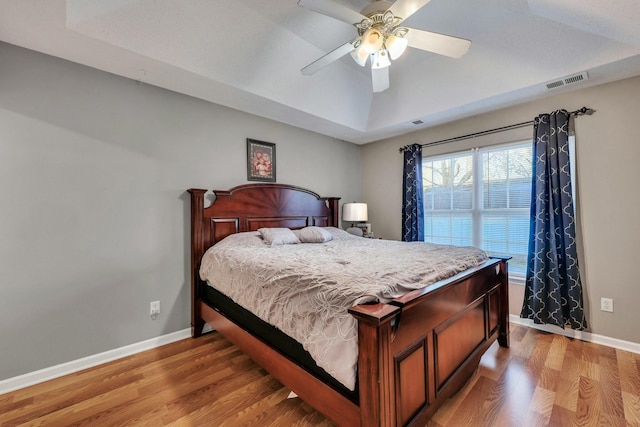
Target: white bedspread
<point>305,289</point>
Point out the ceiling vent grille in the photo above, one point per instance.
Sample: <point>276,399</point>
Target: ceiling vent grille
<point>576,78</point>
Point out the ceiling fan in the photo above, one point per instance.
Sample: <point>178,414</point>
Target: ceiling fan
<point>380,36</point>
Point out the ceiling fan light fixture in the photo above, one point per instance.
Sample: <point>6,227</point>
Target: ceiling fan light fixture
<point>396,46</point>
<point>360,56</point>
<point>381,36</point>
<point>380,59</point>
<point>372,40</point>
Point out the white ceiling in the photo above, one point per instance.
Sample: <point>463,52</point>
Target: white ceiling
<point>247,55</point>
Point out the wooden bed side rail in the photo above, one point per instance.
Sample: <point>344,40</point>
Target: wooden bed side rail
<point>322,397</point>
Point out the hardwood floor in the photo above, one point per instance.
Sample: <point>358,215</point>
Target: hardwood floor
<point>548,380</point>
<point>542,380</point>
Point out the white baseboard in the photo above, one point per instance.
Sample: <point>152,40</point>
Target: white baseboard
<point>581,335</point>
<point>52,372</point>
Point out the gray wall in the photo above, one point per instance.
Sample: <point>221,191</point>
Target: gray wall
<point>608,173</point>
<point>94,217</point>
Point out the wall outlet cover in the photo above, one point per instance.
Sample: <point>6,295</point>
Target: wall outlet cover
<point>154,308</point>
<point>606,304</point>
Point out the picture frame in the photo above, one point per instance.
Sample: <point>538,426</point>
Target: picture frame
<point>261,161</point>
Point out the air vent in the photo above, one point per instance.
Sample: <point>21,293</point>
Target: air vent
<point>555,84</point>
<point>567,80</point>
<point>418,122</point>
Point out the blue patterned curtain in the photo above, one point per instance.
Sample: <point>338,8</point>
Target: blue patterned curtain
<point>553,292</point>
<point>412,207</point>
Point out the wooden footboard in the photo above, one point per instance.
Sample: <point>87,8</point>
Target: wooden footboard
<point>420,349</point>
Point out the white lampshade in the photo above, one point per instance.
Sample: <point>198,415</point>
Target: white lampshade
<point>380,59</point>
<point>354,212</point>
<point>396,46</point>
<point>360,56</point>
<point>372,40</point>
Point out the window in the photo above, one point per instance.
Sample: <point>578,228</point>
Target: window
<point>481,198</point>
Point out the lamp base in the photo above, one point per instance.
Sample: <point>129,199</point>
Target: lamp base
<point>356,231</point>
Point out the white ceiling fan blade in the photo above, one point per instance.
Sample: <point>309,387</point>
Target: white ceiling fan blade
<point>442,44</point>
<point>327,59</point>
<point>380,79</point>
<point>333,9</point>
<point>406,8</point>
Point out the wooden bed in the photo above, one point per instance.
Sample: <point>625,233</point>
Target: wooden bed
<point>414,353</point>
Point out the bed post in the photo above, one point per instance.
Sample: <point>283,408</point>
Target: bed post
<point>503,310</point>
<point>375,363</point>
<point>197,250</point>
<point>333,205</point>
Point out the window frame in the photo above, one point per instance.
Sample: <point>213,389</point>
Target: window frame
<point>477,209</point>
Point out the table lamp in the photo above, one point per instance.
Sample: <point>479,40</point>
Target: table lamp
<point>354,212</point>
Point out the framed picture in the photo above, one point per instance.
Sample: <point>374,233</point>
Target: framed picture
<point>261,161</point>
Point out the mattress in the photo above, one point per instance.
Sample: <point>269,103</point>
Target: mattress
<point>305,289</point>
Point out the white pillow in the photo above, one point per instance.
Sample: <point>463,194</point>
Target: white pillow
<point>278,236</point>
<point>313,235</point>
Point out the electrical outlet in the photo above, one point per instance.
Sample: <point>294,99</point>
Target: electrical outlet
<point>154,309</point>
<point>606,304</point>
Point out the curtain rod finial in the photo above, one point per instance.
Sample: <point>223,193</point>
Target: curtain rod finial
<point>585,110</point>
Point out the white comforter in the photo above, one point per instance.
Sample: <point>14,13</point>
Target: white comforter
<point>305,289</point>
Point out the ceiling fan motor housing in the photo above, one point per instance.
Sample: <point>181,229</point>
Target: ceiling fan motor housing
<point>376,7</point>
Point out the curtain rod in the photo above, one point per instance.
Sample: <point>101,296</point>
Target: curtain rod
<point>580,112</point>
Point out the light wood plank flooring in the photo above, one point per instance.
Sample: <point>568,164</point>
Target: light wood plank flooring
<point>542,380</point>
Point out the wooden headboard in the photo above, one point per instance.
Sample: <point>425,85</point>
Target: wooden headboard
<point>249,207</point>
<point>252,206</point>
